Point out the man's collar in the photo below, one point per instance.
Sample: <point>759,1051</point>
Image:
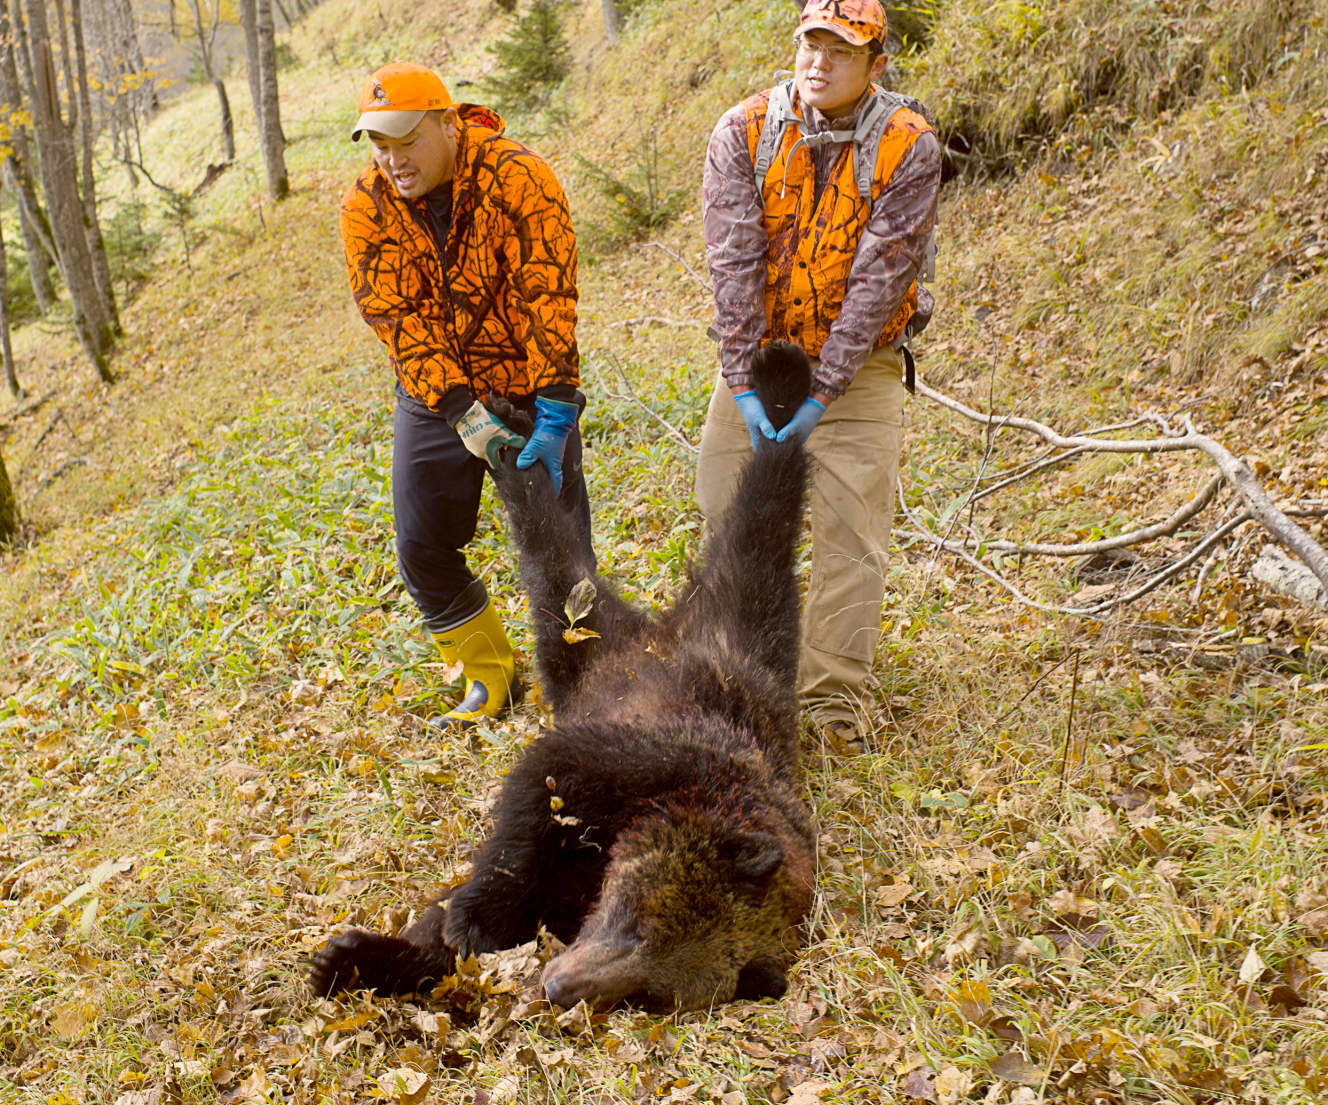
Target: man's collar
<point>847,121</point>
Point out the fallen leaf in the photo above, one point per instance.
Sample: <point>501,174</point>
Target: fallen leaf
<point>807,1093</point>
<point>893,894</point>
<point>1253,967</point>
<point>404,1085</point>
<point>1069,904</point>
<point>1014,1067</point>
<point>918,1084</point>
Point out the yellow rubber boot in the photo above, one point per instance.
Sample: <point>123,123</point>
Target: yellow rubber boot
<point>481,648</point>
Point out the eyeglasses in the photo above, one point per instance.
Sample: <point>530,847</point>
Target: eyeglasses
<point>832,53</point>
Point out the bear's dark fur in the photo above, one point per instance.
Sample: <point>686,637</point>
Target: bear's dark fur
<point>657,827</point>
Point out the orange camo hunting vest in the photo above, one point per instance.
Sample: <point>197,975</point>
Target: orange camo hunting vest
<point>497,313</point>
<point>812,245</point>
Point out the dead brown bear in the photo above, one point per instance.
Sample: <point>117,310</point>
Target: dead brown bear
<point>657,828</point>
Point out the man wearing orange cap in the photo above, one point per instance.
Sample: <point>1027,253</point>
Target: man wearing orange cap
<point>462,258</point>
<point>808,242</point>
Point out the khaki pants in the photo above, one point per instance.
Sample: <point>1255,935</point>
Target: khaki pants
<point>855,448</point>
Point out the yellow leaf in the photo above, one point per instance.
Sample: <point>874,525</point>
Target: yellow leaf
<point>1252,968</point>
<point>351,1021</point>
<point>576,635</point>
<point>71,1022</point>
<point>894,894</point>
<point>580,601</point>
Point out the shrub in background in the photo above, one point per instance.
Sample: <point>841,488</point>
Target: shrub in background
<point>130,244</point>
<point>637,203</point>
<point>530,62</point>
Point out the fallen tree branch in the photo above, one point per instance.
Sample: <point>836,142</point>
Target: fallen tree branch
<point>29,406</point>
<point>646,320</point>
<point>1164,528</point>
<point>631,397</point>
<point>958,549</point>
<point>691,271</point>
<point>1233,470</point>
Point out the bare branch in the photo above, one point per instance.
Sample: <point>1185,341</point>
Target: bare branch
<point>1261,507</point>
<point>1258,505</point>
<point>691,271</point>
<point>631,397</point>
<point>1164,528</point>
<point>956,548</point>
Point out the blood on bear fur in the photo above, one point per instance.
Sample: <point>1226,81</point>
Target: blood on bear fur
<point>678,865</point>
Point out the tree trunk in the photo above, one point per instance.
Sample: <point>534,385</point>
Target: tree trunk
<point>101,268</point>
<point>227,120</point>
<point>55,147</point>
<point>269,120</point>
<point>205,40</point>
<point>66,65</point>
<point>8,506</point>
<point>38,248</point>
<point>612,19</point>
<point>6,349</point>
<point>252,64</point>
<point>130,52</point>
<point>37,244</point>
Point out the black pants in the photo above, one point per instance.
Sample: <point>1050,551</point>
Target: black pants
<point>436,488</point>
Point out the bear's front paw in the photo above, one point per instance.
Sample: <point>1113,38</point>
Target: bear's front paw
<point>338,966</point>
<point>478,922</point>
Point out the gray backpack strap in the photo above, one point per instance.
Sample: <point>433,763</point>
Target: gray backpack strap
<point>777,115</point>
<point>871,127</point>
<point>872,121</point>
<point>928,273</point>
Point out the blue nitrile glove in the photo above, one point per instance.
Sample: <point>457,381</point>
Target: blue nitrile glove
<point>753,413</point>
<point>484,435</point>
<point>803,421</point>
<point>554,420</point>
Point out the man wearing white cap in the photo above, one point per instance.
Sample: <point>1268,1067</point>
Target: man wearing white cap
<point>462,258</point>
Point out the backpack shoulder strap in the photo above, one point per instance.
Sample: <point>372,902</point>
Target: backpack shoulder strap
<point>872,121</point>
<point>777,115</point>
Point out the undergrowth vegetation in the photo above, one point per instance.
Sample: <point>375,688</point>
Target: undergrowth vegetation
<point>1018,78</point>
<point>1085,860</point>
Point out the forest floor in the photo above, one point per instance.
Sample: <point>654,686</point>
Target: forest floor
<point>1085,858</point>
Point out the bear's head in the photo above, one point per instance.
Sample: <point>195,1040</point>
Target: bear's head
<point>696,908</point>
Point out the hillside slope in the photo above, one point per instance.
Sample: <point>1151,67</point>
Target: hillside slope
<point>1086,860</point>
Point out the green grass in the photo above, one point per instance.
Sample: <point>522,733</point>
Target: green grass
<point>212,685</point>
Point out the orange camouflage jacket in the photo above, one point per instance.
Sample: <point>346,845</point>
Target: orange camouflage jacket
<point>496,311</point>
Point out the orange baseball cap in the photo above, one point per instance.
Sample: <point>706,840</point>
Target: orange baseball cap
<point>393,99</point>
<point>858,21</point>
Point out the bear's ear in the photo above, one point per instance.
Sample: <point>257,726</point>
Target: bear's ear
<point>754,856</point>
<point>763,977</point>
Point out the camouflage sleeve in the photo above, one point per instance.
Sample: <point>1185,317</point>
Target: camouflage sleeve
<point>888,259</point>
<point>542,260</point>
<point>735,246</point>
<point>388,291</point>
